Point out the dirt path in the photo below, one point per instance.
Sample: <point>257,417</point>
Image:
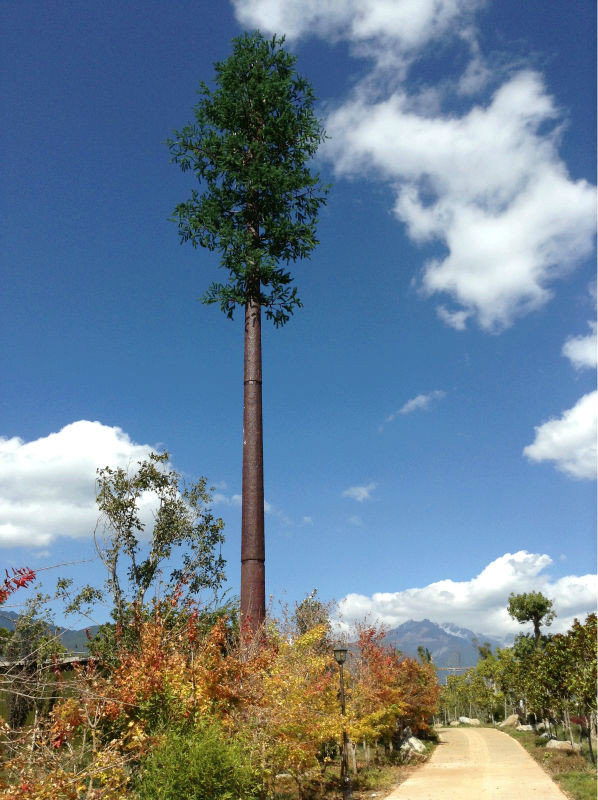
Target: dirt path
<point>478,764</point>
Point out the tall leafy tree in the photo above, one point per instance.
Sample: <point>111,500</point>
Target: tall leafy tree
<point>531,607</point>
<point>137,561</point>
<point>249,146</point>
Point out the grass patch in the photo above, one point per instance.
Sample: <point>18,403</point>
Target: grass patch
<point>579,786</point>
<point>377,779</point>
<point>574,772</point>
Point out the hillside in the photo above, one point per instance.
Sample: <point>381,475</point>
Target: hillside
<point>450,645</point>
<point>74,641</point>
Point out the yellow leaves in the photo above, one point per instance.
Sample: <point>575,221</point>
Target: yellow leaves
<point>108,769</point>
<point>385,688</point>
<point>296,709</point>
<point>281,699</point>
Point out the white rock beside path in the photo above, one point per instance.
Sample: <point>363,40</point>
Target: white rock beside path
<point>413,745</point>
<point>513,721</point>
<point>555,744</point>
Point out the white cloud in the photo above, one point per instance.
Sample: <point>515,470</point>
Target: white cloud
<point>489,185</point>
<point>221,499</point>
<point>356,521</point>
<point>418,403</point>
<point>47,486</point>
<point>455,319</point>
<point>569,441</point>
<point>480,603</point>
<point>386,26</point>
<point>360,493</point>
<point>581,350</point>
<point>236,500</point>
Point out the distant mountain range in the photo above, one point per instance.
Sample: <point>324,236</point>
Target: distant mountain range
<point>73,641</point>
<point>449,645</point>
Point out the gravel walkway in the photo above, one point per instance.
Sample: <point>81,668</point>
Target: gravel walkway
<point>478,764</point>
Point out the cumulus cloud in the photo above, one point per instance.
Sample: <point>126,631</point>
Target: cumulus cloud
<point>236,500</point>
<point>569,441</point>
<point>360,493</point>
<point>489,185</point>
<point>47,486</point>
<point>356,521</point>
<point>455,319</point>
<point>219,498</point>
<point>383,27</point>
<point>581,350</point>
<point>418,403</point>
<point>480,603</point>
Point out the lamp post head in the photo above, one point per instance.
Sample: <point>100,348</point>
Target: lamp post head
<point>340,653</point>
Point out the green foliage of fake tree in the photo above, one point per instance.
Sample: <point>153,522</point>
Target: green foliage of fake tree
<point>249,146</point>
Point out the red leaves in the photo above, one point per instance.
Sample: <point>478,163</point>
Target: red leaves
<point>387,687</point>
<point>20,578</point>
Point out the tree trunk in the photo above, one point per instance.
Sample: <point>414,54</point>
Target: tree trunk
<point>567,720</point>
<point>589,730</point>
<point>253,587</point>
<point>352,748</point>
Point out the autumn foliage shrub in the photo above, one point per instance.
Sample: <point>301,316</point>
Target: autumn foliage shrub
<point>179,708</point>
<point>387,691</point>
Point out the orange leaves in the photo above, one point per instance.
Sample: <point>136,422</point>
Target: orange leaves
<point>384,688</point>
<point>418,684</point>
<point>294,708</point>
<point>171,670</point>
<point>67,716</point>
<point>176,671</point>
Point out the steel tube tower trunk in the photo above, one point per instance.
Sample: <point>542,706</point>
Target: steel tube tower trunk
<point>253,585</point>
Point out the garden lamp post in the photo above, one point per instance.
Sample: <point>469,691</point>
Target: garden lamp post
<point>340,654</point>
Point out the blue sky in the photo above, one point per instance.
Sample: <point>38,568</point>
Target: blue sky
<point>448,310</point>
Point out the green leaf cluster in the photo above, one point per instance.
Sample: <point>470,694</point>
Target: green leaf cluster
<point>183,527</point>
<point>200,764</point>
<point>249,145</point>
<point>531,607</point>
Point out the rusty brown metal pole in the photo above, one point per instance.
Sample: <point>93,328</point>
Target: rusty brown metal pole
<point>253,584</point>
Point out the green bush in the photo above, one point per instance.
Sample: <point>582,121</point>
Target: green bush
<point>200,764</point>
